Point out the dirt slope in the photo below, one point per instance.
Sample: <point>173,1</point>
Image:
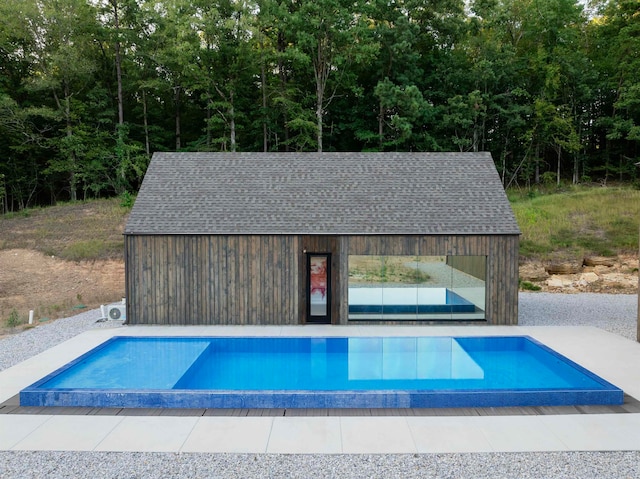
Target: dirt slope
<point>54,288</point>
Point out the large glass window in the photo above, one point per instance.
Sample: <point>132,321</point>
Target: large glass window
<point>431,288</point>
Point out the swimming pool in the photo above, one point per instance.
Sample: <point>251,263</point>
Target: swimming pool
<point>407,301</point>
<point>354,372</point>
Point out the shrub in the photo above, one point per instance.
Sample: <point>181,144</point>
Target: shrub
<point>528,286</point>
<point>14,319</point>
<point>127,200</point>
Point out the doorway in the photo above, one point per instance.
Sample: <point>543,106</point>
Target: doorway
<point>319,288</point>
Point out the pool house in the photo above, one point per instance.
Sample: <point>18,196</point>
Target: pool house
<point>334,238</point>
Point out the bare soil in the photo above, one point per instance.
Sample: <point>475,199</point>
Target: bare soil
<point>54,288</point>
<point>61,260</point>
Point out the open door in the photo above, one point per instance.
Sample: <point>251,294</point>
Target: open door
<point>319,288</point>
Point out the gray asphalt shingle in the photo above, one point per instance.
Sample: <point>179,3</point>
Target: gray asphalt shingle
<point>322,193</point>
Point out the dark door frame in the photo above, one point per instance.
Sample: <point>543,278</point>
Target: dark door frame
<point>318,319</point>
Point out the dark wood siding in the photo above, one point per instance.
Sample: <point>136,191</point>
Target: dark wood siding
<point>251,279</point>
<point>212,279</point>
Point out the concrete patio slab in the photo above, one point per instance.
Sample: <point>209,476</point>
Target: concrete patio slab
<point>14,429</point>
<point>69,433</point>
<point>376,435</point>
<point>608,355</point>
<point>229,434</point>
<point>148,434</point>
<point>597,432</point>
<point>519,434</point>
<point>305,435</point>
<point>448,434</point>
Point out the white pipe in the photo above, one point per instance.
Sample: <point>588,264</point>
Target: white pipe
<point>103,312</point>
<point>31,316</point>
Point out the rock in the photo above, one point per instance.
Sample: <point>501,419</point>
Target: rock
<point>563,268</point>
<point>618,280</point>
<point>589,278</point>
<point>626,266</point>
<point>601,269</point>
<point>533,272</point>
<point>597,261</point>
<point>559,282</point>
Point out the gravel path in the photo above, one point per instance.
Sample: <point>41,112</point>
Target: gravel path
<point>614,313</point>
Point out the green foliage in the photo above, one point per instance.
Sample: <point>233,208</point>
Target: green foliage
<point>418,277</point>
<point>552,93</point>
<point>580,221</point>
<point>387,269</point>
<point>14,319</point>
<point>528,286</point>
<point>127,200</point>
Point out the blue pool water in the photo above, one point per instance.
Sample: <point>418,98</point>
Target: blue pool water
<point>407,300</point>
<point>260,372</point>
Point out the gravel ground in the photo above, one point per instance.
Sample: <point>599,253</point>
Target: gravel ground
<point>16,348</point>
<point>614,313</point>
<point>583,465</point>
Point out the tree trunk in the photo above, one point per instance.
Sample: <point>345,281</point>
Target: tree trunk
<point>380,126</point>
<point>537,160</point>
<point>319,120</point>
<point>322,70</point>
<point>504,162</point>
<point>116,25</point>
<point>232,123</point>
<point>559,150</point>
<point>145,119</point>
<point>475,139</point>
<point>176,90</point>
<point>72,160</point>
<point>208,126</point>
<point>263,79</point>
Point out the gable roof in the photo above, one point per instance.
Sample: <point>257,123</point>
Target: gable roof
<point>322,193</point>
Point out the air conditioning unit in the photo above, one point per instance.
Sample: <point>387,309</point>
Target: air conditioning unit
<point>117,312</point>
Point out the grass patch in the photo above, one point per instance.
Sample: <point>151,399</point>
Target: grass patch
<point>383,269</point>
<point>91,249</point>
<point>528,286</point>
<point>87,230</point>
<point>577,221</point>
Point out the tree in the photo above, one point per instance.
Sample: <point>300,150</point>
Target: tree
<point>225,63</point>
<point>330,33</point>
<point>616,52</point>
<point>65,69</point>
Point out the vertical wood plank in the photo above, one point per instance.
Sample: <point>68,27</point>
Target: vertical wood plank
<point>261,279</point>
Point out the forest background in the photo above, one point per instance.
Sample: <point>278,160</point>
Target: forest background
<point>89,89</point>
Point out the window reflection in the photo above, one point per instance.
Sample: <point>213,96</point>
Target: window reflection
<point>430,288</point>
<point>318,285</point>
<point>410,358</point>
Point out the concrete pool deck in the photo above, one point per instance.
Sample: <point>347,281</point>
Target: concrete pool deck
<point>612,357</point>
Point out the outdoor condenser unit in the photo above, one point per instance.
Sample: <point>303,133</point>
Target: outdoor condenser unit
<point>117,311</point>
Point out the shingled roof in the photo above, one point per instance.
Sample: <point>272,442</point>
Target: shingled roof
<point>322,193</point>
